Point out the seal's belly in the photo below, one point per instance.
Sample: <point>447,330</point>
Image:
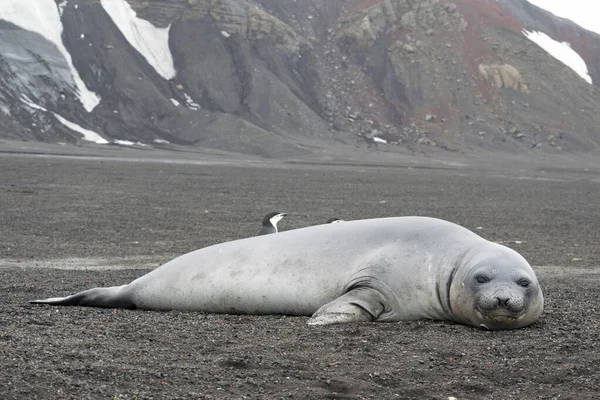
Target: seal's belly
<point>236,298</point>
<point>253,286</point>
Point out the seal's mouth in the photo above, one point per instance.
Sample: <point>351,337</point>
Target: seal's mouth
<point>499,309</point>
<point>499,317</point>
<point>490,306</point>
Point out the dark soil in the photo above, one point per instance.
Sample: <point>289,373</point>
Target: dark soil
<point>55,210</point>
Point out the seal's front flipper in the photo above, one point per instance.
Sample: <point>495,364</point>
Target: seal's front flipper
<point>357,305</point>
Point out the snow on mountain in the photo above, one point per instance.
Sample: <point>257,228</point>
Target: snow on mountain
<point>584,13</point>
<point>61,6</point>
<point>43,17</point>
<point>88,135</point>
<point>562,52</point>
<point>150,41</point>
<point>192,105</point>
<point>121,142</point>
<point>27,101</point>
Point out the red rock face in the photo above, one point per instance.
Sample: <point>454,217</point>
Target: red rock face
<point>486,12</point>
<point>480,15</point>
<point>359,6</point>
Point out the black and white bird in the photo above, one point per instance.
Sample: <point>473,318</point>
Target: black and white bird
<point>269,223</point>
<point>334,220</point>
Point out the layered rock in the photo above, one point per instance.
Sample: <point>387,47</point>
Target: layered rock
<point>278,77</point>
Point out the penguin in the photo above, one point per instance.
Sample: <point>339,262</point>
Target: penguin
<point>269,223</point>
<point>334,220</point>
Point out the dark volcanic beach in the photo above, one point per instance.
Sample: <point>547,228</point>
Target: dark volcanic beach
<point>68,224</point>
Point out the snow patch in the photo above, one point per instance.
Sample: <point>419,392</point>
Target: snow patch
<point>161,141</point>
<point>175,102</point>
<point>88,135</point>
<point>128,143</point>
<point>582,12</point>
<point>192,105</point>
<point>561,51</point>
<point>43,18</point>
<point>150,41</point>
<point>61,7</point>
<point>123,142</point>
<point>379,140</point>
<point>27,101</point>
<point>226,34</point>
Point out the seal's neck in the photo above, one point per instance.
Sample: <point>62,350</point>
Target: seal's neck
<point>460,266</point>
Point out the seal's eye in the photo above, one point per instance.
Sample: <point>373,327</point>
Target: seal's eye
<point>481,279</point>
<point>524,283</point>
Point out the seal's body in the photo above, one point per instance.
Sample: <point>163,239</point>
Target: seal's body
<point>389,269</point>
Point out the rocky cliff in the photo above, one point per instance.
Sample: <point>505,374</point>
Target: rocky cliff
<point>278,77</point>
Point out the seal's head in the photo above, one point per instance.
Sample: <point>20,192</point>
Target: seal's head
<point>496,289</point>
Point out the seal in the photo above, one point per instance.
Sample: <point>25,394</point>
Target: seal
<point>389,269</point>
<point>334,220</point>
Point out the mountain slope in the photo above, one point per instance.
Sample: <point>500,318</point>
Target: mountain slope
<point>278,77</point>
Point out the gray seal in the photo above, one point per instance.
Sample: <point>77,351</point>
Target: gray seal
<point>389,269</point>
<point>269,223</point>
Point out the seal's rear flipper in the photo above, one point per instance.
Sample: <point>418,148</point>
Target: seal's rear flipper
<point>109,297</point>
<point>357,305</point>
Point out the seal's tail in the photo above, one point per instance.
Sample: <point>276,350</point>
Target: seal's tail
<point>108,297</point>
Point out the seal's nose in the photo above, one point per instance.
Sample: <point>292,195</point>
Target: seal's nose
<point>502,300</point>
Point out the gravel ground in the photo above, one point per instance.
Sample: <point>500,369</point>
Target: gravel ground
<point>71,224</point>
